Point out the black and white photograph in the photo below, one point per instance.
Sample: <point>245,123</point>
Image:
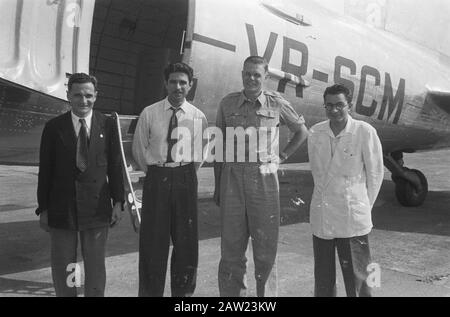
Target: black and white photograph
<point>225,149</point>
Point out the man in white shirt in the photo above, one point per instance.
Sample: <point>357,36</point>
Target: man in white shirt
<point>169,210</point>
<point>347,165</point>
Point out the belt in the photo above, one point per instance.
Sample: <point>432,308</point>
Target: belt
<point>173,164</point>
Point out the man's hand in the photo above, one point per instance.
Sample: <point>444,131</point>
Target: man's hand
<point>116,214</point>
<point>43,221</point>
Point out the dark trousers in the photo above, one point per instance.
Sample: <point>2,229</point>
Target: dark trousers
<point>169,210</point>
<point>354,257</point>
<point>64,258</point>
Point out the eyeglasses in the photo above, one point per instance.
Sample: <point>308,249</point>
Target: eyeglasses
<point>338,106</point>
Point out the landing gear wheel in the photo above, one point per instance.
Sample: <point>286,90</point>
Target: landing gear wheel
<point>407,194</point>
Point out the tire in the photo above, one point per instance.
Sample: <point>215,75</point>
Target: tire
<point>406,193</point>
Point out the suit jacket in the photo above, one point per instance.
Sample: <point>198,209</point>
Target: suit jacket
<point>79,200</point>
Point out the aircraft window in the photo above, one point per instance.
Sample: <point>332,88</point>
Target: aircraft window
<point>441,99</point>
<point>298,19</point>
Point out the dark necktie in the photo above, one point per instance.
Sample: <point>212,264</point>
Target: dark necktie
<point>172,125</point>
<point>82,147</point>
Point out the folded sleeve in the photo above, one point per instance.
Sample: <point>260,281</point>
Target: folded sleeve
<point>290,118</point>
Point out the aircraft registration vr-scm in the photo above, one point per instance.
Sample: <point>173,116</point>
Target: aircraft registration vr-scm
<point>294,73</point>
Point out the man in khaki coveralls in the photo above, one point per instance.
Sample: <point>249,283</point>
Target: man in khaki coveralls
<point>247,188</point>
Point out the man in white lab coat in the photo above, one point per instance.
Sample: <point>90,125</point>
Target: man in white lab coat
<point>347,165</point>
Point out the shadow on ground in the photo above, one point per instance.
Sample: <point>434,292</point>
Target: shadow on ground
<point>25,247</point>
<point>12,287</point>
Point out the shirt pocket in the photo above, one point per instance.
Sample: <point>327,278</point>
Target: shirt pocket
<point>235,119</point>
<point>358,203</point>
<point>268,118</point>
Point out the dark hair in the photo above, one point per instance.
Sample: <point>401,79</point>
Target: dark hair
<point>179,68</point>
<point>257,60</point>
<point>81,78</point>
<point>339,89</point>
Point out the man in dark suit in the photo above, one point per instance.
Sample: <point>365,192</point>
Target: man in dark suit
<point>80,172</point>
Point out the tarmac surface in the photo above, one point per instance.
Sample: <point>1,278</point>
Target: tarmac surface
<point>411,245</point>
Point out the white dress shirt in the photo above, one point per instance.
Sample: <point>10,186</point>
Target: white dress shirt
<point>77,124</point>
<point>150,138</point>
<point>346,182</point>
